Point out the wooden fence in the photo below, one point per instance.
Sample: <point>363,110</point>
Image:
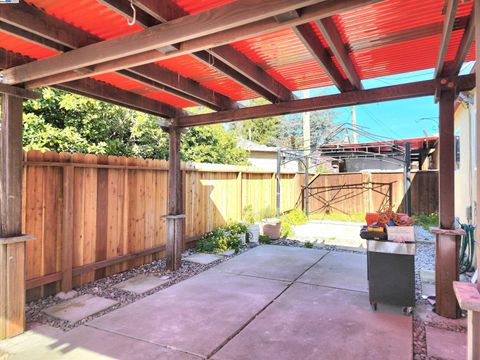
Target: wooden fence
<point>93,216</point>
<point>357,193</point>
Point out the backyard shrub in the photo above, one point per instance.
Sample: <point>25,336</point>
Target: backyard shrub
<point>293,217</point>
<point>427,221</point>
<point>236,228</point>
<point>218,240</point>
<point>308,244</point>
<point>264,239</point>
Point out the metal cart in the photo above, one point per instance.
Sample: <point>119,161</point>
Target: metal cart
<point>391,273</point>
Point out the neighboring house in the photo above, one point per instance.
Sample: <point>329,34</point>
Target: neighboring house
<point>264,157</point>
<point>465,158</point>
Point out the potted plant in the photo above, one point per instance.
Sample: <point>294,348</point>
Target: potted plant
<point>271,227</point>
<point>240,231</point>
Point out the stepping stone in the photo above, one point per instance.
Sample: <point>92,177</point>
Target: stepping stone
<point>227,253</point>
<point>79,308</point>
<point>447,345</point>
<point>203,259</point>
<point>140,284</point>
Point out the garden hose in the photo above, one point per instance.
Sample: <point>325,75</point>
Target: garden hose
<point>467,249</point>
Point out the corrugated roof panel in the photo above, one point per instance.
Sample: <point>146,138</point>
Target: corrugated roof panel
<point>89,15</point>
<point>26,48</point>
<point>208,76</point>
<point>126,83</point>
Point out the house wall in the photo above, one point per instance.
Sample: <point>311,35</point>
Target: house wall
<point>268,161</point>
<point>355,165</point>
<point>465,174</point>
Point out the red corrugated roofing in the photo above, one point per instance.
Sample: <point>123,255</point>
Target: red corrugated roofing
<point>281,54</point>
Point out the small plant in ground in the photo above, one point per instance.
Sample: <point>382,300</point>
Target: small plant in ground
<point>291,218</point>
<point>427,221</point>
<point>308,244</point>
<point>218,240</point>
<point>264,239</point>
<point>248,215</point>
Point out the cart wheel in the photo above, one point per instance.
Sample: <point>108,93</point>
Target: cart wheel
<point>407,310</point>
<point>373,306</point>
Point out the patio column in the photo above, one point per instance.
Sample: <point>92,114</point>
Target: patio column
<point>175,217</point>
<point>12,243</point>
<point>447,242</point>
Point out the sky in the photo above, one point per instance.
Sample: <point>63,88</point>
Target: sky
<point>399,119</point>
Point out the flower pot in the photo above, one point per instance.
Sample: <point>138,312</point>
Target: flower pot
<point>242,239</point>
<point>254,231</point>
<point>271,228</point>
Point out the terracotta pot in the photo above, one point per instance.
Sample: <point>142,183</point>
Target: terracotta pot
<point>272,230</point>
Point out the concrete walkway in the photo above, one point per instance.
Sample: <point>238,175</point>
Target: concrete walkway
<point>271,302</point>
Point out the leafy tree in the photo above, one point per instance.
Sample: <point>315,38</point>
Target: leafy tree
<point>61,121</point>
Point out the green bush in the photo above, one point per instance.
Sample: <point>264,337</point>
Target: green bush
<point>308,244</point>
<point>427,221</point>
<point>218,240</point>
<point>264,239</point>
<point>293,217</point>
<point>236,228</point>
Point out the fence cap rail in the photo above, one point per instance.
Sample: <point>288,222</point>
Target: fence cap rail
<point>16,239</point>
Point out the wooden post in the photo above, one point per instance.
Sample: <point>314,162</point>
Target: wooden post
<point>12,244</point>
<point>446,262</point>
<point>67,238</point>
<point>175,217</point>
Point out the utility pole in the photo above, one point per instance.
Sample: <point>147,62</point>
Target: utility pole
<point>354,125</point>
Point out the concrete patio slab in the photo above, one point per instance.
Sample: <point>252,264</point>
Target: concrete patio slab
<point>196,315</point>
<point>44,342</point>
<point>272,262</point>
<point>444,344</point>
<point>140,284</point>
<point>340,270</point>
<point>427,276</point>
<point>203,259</point>
<point>310,322</point>
<point>79,308</point>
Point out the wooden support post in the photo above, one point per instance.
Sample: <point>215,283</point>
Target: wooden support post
<point>446,261</point>
<point>67,239</point>
<point>12,246</point>
<point>175,217</point>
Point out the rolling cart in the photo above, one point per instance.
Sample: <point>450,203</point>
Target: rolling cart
<point>391,273</point>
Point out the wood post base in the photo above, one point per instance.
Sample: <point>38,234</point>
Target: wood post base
<point>174,241</point>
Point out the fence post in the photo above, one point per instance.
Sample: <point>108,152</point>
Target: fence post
<point>67,238</point>
<point>240,193</point>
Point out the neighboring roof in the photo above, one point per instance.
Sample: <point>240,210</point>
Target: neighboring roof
<point>386,38</point>
<point>387,146</point>
<point>253,146</point>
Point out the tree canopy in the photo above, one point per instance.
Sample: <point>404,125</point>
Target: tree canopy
<point>64,122</point>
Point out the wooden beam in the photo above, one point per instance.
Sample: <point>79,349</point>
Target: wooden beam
<point>358,97</point>
<point>165,80</point>
<point>189,27</point>
<point>105,92</point>
<point>449,20</point>
<point>29,36</point>
<point>175,218</point>
<point>124,7</point>
<point>465,45</point>
<point>338,48</point>
<point>242,70</point>
<point>12,256</point>
<point>309,38</point>
<point>241,63</point>
<point>18,92</point>
<point>447,246</point>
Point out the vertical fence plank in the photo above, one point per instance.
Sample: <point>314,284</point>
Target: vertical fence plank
<point>68,234</point>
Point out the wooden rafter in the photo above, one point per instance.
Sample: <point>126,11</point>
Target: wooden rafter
<point>309,38</point>
<point>339,49</point>
<point>207,35</point>
<point>99,90</point>
<point>448,23</point>
<point>233,63</point>
<point>165,80</point>
<point>357,97</point>
<point>465,44</point>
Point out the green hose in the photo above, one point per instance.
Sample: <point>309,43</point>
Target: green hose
<point>467,247</point>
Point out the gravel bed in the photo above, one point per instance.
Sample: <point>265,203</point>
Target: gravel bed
<point>104,288</point>
<point>321,246</point>
<point>423,235</point>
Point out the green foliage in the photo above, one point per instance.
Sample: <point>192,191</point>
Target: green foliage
<point>218,240</point>
<point>427,221</point>
<point>356,217</point>
<point>61,121</point>
<point>308,244</point>
<point>293,217</point>
<point>212,144</point>
<point>264,239</point>
<point>248,215</point>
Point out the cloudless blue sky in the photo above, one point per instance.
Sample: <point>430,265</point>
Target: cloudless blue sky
<point>393,119</point>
